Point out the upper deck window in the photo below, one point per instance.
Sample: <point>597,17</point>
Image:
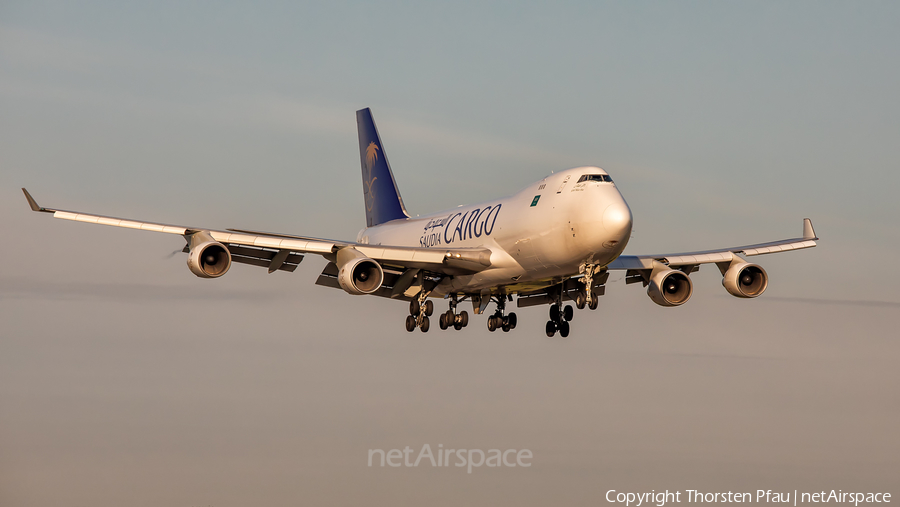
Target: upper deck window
<point>595,177</point>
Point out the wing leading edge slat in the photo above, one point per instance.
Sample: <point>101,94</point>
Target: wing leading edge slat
<point>446,261</point>
<point>716,256</point>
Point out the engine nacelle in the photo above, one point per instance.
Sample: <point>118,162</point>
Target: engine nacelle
<point>357,273</point>
<point>209,259</point>
<point>745,280</point>
<point>670,288</point>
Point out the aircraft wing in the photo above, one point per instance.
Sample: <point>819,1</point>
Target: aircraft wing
<point>284,252</point>
<point>725,255</point>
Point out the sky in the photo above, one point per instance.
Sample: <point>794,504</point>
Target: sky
<point>125,380</point>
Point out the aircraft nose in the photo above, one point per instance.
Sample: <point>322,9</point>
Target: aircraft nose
<point>617,219</point>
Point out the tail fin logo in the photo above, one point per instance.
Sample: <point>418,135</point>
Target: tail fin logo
<point>371,155</point>
<point>371,158</point>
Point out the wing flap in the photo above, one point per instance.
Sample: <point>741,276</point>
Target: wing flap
<point>328,278</point>
<point>453,261</point>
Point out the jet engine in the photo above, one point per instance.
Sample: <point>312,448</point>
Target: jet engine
<point>208,258</point>
<point>357,273</point>
<point>670,288</point>
<point>745,280</point>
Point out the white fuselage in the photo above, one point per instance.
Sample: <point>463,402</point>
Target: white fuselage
<point>537,236</point>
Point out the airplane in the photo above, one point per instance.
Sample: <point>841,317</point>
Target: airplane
<point>553,242</point>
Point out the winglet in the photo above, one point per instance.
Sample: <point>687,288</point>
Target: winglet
<point>34,204</point>
<point>808,231</point>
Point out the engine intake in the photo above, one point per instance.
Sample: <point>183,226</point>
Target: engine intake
<point>207,258</point>
<point>670,288</point>
<point>745,280</point>
<point>357,273</point>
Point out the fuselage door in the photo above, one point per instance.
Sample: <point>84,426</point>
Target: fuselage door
<point>525,254</point>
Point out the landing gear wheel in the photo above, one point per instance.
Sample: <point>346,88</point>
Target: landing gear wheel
<point>513,320</point>
<point>554,312</point>
<point>442,322</point>
<point>410,323</point>
<point>429,308</point>
<point>564,329</point>
<point>464,318</point>
<point>414,307</point>
<point>595,302</point>
<point>425,324</point>
<point>505,327</point>
<point>457,326</point>
<point>492,324</point>
<point>568,312</point>
<point>550,328</point>
<point>580,300</point>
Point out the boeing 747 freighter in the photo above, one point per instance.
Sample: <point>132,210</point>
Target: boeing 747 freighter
<point>553,242</point>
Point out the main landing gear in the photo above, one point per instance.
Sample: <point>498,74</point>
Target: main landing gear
<point>421,308</point>
<point>452,319</point>
<point>559,320</point>
<point>500,321</point>
<point>561,315</point>
<point>419,311</point>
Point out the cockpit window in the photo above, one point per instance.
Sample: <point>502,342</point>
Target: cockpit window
<point>595,177</point>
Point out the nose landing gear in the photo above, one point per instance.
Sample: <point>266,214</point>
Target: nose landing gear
<point>587,295</point>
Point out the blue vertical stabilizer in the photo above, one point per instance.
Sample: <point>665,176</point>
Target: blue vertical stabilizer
<point>383,201</point>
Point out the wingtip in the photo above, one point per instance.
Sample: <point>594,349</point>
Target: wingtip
<point>31,201</point>
<point>808,231</point>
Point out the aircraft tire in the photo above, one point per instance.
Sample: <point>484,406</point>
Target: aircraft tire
<point>550,328</point>
<point>429,308</point>
<point>464,318</point>
<point>513,320</point>
<point>554,312</point>
<point>568,312</point>
<point>580,300</point>
<point>426,325</point>
<point>457,326</point>
<point>414,307</point>
<point>442,321</point>
<point>492,325</point>
<point>564,329</point>
<point>595,302</point>
<point>410,323</point>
